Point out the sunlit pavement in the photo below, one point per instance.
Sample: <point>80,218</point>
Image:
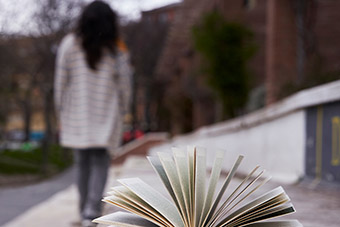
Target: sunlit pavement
<point>15,199</point>
<point>316,207</point>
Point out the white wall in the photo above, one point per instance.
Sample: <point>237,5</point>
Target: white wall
<point>278,146</point>
<point>273,137</point>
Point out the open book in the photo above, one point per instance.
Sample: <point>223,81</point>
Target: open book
<point>196,202</point>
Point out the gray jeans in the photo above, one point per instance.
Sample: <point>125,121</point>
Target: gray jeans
<point>92,166</point>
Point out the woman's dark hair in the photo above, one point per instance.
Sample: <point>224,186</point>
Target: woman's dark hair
<point>97,29</point>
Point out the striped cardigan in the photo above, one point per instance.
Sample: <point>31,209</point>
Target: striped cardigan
<point>90,104</point>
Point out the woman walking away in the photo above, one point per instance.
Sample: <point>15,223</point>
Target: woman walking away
<point>92,89</point>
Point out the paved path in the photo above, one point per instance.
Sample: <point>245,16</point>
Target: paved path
<point>15,201</point>
<point>315,207</point>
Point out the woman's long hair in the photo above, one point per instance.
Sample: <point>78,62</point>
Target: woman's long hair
<point>97,29</point>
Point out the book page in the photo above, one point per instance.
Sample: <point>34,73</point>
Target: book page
<point>199,183</point>
<point>157,165</point>
<point>222,190</point>
<point>214,177</point>
<point>170,170</point>
<point>289,223</point>
<point>249,193</point>
<point>263,208</point>
<point>154,199</point>
<point>131,202</point>
<point>181,162</point>
<point>124,219</point>
<point>223,210</point>
<point>192,166</point>
<point>277,212</point>
<point>266,197</point>
<point>139,211</point>
<point>184,175</point>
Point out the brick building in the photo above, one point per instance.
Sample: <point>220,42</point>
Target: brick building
<point>165,14</point>
<point>145,39</point>
<point>297,47</point>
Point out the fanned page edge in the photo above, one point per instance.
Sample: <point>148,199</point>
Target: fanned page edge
<point>286,223</point>
<point>214,177</point>
<point>181,162</point>
<point>159,169</point>
<point>154,199</point>
<point>278,211</point>
<point>189,191</point>
<point>133,203</point>
<point>170,169</point>
<point>200,183</point>
<point>237,196</point>
<point>225,185</point>
<point>252,204</point>
<point>124,219</point>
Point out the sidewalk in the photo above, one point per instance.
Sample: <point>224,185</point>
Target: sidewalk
<point>32,194</point>
<point>61,209</point>
<point>315,207</point>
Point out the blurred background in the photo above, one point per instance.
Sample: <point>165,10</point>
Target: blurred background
<point>30,32</point>
<point>256,76</point>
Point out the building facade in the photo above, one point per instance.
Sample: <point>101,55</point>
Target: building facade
<point>297,48</point>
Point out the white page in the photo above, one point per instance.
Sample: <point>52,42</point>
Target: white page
<point>154,199</point>
<point>214,177</point>
<point>276,212</point>
<point>120,188</point>
<point>157,165</point>
<point>124,219</point>
<point>222,190</point>
<point>259,210</point>
<point>263,213</point>
<point>266,197</point>
<point>192,166</point>
<point>135,204</point>
<point>201,171</point>
<point>252,191</point>
<point>223,209</point>
<point>170,169</point>
<point>184,176</point>
<point>140,212</point>
<point>289,223</point>
<point>181,161</point>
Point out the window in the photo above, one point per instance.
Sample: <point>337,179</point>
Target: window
<point>249,4</point>
<point>163,17</point>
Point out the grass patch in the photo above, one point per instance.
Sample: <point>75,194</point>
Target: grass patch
<point>14,162</point>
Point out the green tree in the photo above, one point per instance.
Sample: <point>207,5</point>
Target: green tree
<point>226,48</point>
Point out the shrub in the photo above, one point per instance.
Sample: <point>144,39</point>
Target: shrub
<point>226,48</point>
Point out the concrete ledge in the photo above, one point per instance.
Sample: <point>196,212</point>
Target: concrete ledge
<point>326,93</point>
<point>140,146</point>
